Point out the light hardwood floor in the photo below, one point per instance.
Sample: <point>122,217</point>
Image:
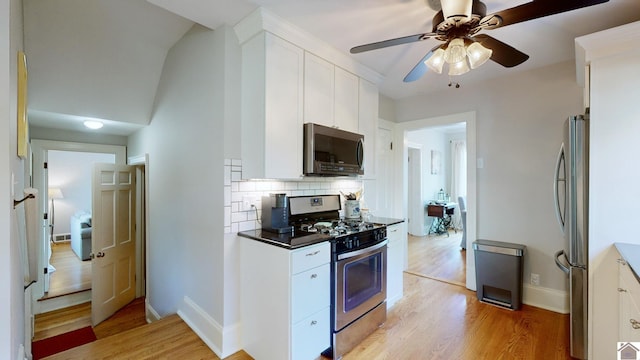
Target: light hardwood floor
<point>434,320</point>
<point>72,274</point>
<point>438,257</point>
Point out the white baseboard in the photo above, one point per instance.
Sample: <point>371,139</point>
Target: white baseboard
<point>545,298</point>
<point>222,341</point>
<point>150,313</point>
<point>60,302</point>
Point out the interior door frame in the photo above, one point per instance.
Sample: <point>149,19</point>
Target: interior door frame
<point>415,204</point>
<point>40,149</point>
<point>402,168</point>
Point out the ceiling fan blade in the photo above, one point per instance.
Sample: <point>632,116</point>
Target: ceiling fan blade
<point>503,54</point>
<point>391,42</point>
<point>540,8</point>
<point>420,68</point>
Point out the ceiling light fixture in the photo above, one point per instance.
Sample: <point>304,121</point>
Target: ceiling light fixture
<point>461,55</point>
<point>93,124</point>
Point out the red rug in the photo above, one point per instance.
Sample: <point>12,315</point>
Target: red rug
<point>53,345</point>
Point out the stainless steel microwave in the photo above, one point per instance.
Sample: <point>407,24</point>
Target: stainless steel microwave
<point>330,151</point>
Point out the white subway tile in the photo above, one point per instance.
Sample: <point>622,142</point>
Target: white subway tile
<point>235,206</point>
<point>247,186</point>
<point>227,216</point>
<point>291,185</point>
<point>234,228</point>
<point>227,196</point>
<point>227,175</point>
<point>236,162</point>
<point>246,225</point>
<point>237,217</point>
<point>227,162</point>
<point>227,229</point>
<point>236,175</point>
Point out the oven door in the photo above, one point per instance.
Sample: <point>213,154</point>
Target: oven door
<point>361,283</point>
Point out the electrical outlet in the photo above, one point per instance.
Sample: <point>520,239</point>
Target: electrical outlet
<point>249,202</point>
<point>535,279</point>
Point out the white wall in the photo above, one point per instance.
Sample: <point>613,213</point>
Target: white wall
<point>12,309</point>
<point>613,175</point>
<point>185,143</point>
<point>71,172</point>
<point>519,131</point>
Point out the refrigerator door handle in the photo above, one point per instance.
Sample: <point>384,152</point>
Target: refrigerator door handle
<point>562,266</point>
<point>556,188</point>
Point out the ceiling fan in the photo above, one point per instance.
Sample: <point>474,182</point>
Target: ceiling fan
<point>458,24</point>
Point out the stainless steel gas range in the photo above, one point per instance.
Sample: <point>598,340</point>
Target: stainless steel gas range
<point>358,268</point>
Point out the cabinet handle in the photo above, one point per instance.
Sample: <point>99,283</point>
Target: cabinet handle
<point>394,230</point>
<point>313,253</point>
<point>622,290</point>
<point>634,323</point>
<point>313,276</point>
<point>621,262</point>
<point>314,322</point>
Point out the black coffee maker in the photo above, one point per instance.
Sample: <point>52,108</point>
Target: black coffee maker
<point>275,214</point>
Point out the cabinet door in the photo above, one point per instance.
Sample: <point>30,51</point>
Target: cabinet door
<point>283,109</point>
<point>368,124</point>
<point>629,290</point>
<point>311,336</point>
<point>319,84</point>
<point>395,250</point>
<point>310,292</point>
<point>346,100</point>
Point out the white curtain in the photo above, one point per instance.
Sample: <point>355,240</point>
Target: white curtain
<point>458,175</point>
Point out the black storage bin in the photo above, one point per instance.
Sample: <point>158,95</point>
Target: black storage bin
<point>499,268</point>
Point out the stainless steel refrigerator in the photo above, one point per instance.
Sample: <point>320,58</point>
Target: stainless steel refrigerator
<point>572,204</point>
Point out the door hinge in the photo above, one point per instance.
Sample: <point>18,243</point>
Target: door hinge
<point>46,165</point>
<point>391,145</point>
<point>46,216</point>
<point>46,270</point>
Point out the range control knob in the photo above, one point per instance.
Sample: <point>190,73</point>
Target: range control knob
<point>348,242</point>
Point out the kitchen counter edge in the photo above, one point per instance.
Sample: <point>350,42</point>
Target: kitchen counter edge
<point>257,235</point>
<point>385,221</point>
<point>631,254</point>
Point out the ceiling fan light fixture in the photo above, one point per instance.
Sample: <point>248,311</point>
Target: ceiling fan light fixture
<point>459,68</point>
<point>478,54</point>
<point>455,52</point>
<point>436,61</point>
<point>456,10</point>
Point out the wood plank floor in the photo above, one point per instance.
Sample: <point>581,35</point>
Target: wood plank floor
<point>434,320</point>
<point>72,274</point>
<point>438,257</point>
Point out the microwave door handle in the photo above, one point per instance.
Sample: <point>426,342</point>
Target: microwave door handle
<point>557,179</point>
<point>360,153</point>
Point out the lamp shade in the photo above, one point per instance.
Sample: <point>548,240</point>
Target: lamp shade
<point>436,61</point>
<point>478,54</point>
<point>55,193</point>
<point>455,52</point>
<point>459,68</point>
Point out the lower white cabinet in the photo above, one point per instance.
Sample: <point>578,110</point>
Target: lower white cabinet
<point>285,300</point>
<point>396,234</point>
<point>629,290</point>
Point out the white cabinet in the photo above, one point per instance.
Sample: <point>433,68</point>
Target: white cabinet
<point>396,234</point>
<point>368,124</point>
<point>285,300</point>
<point>271,112</point>
<point>629,291</point>
<point>330,94</point>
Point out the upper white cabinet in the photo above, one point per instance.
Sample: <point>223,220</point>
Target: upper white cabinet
<point>330,94</point>
<point>368,124</point>
<point>272,98</point>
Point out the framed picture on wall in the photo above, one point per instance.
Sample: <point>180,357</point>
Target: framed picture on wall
<point>23,126</point>
<point>435,162</point>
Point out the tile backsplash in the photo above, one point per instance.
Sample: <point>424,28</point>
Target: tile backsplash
<point>236,191</point>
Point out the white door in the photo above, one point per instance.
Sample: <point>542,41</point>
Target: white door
<point>415,203</point>
<point>113,248</point>
<point>384,172</point>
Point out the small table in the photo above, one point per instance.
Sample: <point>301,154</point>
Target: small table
<point>442,214</point>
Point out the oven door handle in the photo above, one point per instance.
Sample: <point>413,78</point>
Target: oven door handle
<point>362,251</point>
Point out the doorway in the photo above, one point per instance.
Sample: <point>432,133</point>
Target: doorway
<point>435,177</point>
<point>69,179</point>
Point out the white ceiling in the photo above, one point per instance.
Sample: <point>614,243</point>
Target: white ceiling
<point>103,58</point>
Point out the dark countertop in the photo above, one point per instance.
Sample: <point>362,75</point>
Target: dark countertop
<point>631,254</point>
<point>385,221</point>
<point>287,240</point>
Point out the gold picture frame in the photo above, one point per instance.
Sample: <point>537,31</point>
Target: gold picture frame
<point>23,125</point>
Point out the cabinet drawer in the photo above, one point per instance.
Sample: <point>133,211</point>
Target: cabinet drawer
<point>310,336</point>
<point>310,257</point>
<point>310,292</point>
